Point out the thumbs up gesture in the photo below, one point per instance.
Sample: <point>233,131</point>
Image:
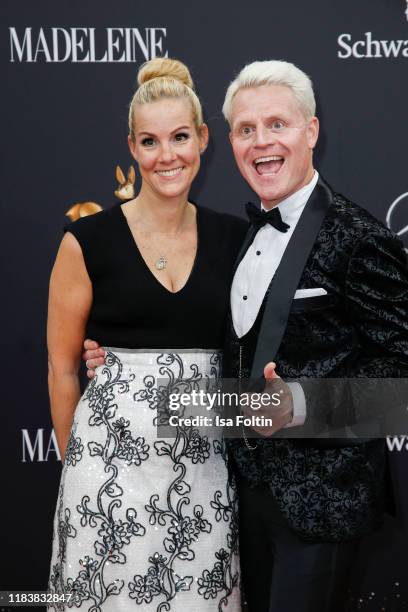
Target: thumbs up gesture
<point>279,411</point>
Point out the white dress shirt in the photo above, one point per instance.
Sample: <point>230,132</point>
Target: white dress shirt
<point>257,269</point>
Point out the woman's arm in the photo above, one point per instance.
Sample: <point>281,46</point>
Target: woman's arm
<point>70,300</point>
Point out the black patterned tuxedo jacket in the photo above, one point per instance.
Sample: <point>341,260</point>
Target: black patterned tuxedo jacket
<point>328,490</point>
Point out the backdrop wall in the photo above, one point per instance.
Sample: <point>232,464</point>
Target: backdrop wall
<point>68,72</point>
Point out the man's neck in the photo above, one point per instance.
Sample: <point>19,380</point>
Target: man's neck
<point>295,194</point>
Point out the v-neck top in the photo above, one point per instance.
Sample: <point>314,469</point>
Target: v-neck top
<point>132,309</point>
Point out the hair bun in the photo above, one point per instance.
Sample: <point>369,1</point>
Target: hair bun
<point>165,67</point>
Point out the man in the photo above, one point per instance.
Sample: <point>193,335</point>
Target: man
<point>321,288</point>
<point>305,503</point>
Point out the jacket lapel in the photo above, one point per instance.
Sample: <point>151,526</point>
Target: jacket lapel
<point>248,240</point>
<point>286,279</point>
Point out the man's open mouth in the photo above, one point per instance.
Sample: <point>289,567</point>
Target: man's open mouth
<point>268,165</point>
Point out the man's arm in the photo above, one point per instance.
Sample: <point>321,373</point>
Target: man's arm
<point>367,397</point>
<point>376,302</point>
<point>376,293</point>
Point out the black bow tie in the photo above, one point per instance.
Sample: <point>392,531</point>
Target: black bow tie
<point>259,218</point>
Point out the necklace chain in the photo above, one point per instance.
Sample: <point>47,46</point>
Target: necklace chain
<point>161,262</point>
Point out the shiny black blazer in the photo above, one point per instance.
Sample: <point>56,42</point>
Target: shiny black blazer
<point>328,491</point>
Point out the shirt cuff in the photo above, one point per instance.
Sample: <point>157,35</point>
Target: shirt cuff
<point>299,405</point>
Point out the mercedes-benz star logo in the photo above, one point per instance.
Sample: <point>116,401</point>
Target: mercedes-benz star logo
<point>397,216</point>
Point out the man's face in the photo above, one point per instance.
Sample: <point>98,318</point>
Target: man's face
<point>272,141</point>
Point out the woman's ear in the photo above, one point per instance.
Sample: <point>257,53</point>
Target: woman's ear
<point>204,136</point>
<point>132,147</point>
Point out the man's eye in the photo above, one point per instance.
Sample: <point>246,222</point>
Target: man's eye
<point>246,130</point>
<point>277,125</point>
<point>181,136</point>
<point>148,142</point>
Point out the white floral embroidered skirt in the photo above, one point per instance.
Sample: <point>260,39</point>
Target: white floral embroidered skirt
<point>144,523</point>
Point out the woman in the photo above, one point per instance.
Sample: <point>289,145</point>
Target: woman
<point>141,520</point>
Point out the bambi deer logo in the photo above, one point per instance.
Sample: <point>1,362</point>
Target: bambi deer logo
<point>124,191</point>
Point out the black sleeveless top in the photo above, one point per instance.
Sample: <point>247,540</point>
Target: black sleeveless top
<point>132,309</point>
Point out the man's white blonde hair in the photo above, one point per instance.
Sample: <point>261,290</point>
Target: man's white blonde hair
<point>273,72</point>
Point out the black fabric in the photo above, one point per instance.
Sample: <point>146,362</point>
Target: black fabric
<point>131,309</point>
<point>248,240</point>
<point>286,278</point>
<point>328,493</point>
<point>282,573</point>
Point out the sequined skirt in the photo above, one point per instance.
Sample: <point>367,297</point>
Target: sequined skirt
<point>142,522</point>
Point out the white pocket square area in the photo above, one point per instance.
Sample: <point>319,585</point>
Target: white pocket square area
<point>308,293</point>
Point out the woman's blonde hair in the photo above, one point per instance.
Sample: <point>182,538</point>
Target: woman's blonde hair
<point>160,78</point>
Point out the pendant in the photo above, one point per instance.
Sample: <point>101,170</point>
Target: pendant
<point>161,263</point>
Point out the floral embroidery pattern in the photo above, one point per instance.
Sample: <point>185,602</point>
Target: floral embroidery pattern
<point>183,531</point>
<point>176,380</point>
<point>114,534</point>
<point>64,530</point>
<point>221,578</point>
<point>75,448</point>
<point>183,520</point>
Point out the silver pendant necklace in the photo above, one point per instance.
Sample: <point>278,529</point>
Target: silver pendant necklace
<point>161,263</point>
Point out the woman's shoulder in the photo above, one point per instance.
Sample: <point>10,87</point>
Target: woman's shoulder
<point>93,225</point>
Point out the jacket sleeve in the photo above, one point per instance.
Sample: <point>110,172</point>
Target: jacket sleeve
<point>376,292</point>
<point>374,398</point>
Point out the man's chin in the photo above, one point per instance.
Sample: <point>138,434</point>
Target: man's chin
<point>268,189</point>
<point>270,197</point>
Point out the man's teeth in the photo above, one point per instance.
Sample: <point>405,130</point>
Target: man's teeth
<point>268,159</point>
<point>169,172</point>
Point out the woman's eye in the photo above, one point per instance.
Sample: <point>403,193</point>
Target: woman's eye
<point>148,142</point>
<point>181,136</point>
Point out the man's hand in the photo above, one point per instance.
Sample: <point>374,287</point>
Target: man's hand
<point>93,356</point>
<point>280,414</point>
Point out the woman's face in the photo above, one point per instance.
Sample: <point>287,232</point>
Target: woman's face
<point>167,147</point>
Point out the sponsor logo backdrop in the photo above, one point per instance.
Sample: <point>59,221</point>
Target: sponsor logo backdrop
<point>67,76</point>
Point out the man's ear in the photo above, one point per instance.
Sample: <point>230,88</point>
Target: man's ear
<point>313,132</point>
<point>203,136</point>
<point>132,147</point>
